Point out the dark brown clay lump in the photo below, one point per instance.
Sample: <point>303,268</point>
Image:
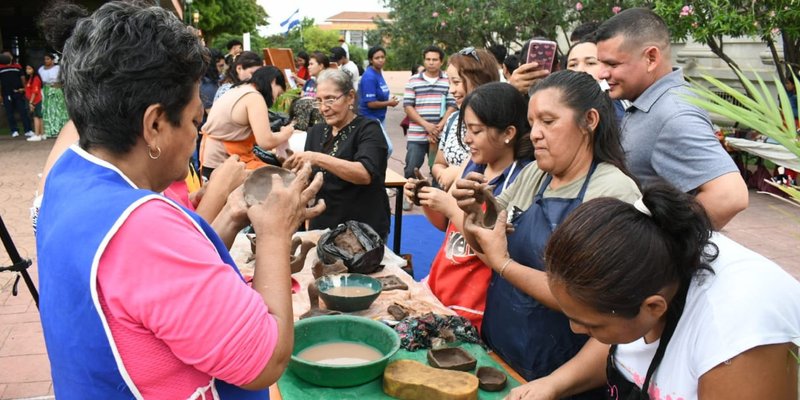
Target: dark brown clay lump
<point>320,269</point>
<point>397,311</point>
<point>347,241</point>
<point>392,282</point>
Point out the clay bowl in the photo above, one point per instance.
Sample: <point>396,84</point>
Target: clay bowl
<point>338,328</point>
<point>491,379</point>
<point>258,185</point>
<point>363,291</point>
<point>452,358</point>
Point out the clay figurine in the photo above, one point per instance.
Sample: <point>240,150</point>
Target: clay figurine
<point>486,212</point>
<point>313,299</point>
<point>321,269</point>
<point>258,185</point>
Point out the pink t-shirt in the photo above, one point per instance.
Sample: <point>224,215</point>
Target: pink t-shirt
<point>177,313</point>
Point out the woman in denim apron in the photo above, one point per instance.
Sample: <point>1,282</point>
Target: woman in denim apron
<point>578,156</point>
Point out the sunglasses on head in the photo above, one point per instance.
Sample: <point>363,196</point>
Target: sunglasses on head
<point>470,51</point>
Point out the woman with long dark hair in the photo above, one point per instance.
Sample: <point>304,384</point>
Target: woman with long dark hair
<point>497,135</point>
<point>578,157</point>
<point>246,64</point>
<point>689,313</point>
<point>33,92</point>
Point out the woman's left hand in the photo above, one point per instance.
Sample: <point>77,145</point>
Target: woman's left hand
<point>491,242</point>
<point>437,200</point>
<point>297,160</point>
<point>533,390</point>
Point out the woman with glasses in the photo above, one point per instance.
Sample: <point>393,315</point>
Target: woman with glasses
<point>467,69</point>
<point>351,152</point>
<point>238,121</point>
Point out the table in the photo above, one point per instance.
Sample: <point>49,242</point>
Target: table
<point>418,297</point>
<point>396,181</point>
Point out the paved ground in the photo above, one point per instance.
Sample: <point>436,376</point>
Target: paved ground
<point>769,226</point>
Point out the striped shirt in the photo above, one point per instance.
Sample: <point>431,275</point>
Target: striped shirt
<point>431,100</point>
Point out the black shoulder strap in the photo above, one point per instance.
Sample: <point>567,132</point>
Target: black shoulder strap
<point>673,316</point>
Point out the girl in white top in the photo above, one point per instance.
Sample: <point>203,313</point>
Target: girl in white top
<point>690,314</point>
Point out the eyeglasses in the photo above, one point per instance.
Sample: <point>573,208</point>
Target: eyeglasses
<point>470,51</point>
<point>327,102</point>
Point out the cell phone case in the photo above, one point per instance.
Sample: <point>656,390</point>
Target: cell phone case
<point>542,52</point>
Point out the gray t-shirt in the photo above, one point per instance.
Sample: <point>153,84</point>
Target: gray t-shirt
<point>607,181</point>
<point>664,136</point>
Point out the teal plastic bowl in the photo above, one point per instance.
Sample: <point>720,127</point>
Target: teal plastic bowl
<point>338,328</point>
<point>348,303</point>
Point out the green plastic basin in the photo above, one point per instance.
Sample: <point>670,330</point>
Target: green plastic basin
<point>337,328</point>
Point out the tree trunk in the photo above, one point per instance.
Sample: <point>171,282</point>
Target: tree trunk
<point>716,48</point>
<point>775,58</point>
<point>791,51</point>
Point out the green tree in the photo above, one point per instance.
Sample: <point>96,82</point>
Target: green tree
<point>710,21</point>
<point>316,39</point>
<point>228,16</point>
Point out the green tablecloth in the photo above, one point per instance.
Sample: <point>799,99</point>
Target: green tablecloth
<point>294,388</point>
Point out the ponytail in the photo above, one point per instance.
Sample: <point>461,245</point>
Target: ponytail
<point>612,256</point>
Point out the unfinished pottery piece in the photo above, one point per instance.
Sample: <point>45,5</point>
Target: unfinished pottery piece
<point>487,211</point>
<point>321,269</point>
<point>313,299</point>
<point>422,182</point>
<point>452,358</point>
<point>491,379</point>
<point>258,185</point>
<point>298,260</point>
<point>392,282</point>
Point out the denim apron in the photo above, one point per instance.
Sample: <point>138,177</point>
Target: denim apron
<point>533,339</point>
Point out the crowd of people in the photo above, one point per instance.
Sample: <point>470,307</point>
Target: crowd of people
<point>34,96</point>
<point>603,275</point>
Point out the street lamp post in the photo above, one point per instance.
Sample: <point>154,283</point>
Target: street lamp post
<point>187,6</point>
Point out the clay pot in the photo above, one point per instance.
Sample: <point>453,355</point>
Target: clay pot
<point>452,358</point>
<point>491,379</point>
<point>258,185</point>
<point>421,183</point>
<point>488,217</point>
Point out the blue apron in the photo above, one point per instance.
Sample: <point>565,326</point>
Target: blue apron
<point>533,339</point>
<point>83,361</point>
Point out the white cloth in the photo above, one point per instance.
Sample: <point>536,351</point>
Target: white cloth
<point>748,302</point>
<point>352,69</point>
<point>773,152</point>
<point>49,76</point>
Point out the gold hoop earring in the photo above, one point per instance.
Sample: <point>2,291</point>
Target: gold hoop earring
<point>150,152</point>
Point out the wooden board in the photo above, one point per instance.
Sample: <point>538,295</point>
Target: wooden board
<point>281,58</point>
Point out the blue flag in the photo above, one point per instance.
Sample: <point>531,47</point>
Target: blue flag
<point>288,20</point>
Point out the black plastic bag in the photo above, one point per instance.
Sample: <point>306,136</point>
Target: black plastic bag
<point>278,120</point>
<point>364,260</point>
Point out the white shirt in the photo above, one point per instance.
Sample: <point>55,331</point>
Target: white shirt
<point>352,69</point>
<point>748,302</point>
<point>49,76</point>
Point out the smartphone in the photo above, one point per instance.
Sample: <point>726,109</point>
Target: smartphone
<point>542,52</point>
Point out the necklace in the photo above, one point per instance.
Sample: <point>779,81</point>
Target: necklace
<point>340,137</point>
